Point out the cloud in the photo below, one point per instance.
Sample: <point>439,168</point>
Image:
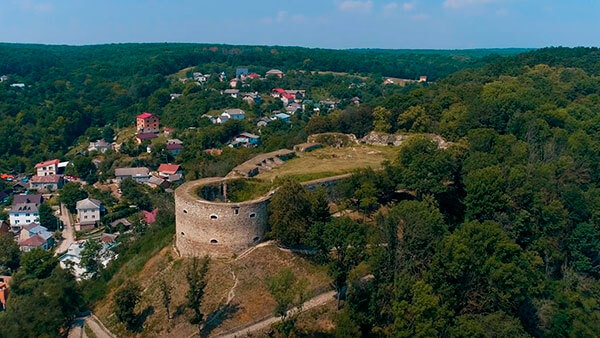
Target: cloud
<point>462,3</point>
<point>33,6</point>
<point>390,7</point>
<point>355,6</point>
<point>409,6</point>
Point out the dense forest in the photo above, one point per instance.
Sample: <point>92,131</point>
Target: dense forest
<point>501,236</point>
<point>70,89</point>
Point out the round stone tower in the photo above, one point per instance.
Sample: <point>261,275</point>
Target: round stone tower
<point>208,226</point>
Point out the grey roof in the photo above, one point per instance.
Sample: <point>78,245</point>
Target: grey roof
<point>248,135</point>
<point>155,180</point>
<point>24,207</point>
<point>231,91</point>
<point>88,203</point>
<point>133,172</point>
<point>235,111</point>
<point>274,71</point>
<point>20,199</point>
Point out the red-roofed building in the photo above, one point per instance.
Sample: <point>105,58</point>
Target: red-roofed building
<point>148,123</point>
<point>287,98</point>
<point>254,76</point>
<point>150,217</point>
<point>278,92</point>
<point>47,167</point>
<point>165,170</point>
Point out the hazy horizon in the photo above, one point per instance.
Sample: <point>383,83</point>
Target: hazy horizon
<point>331,24</point>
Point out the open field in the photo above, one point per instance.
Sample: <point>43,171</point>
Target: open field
<point>236,294</point>
<point>330,161</point>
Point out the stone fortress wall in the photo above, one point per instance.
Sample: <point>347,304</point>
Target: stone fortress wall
<point>222,229</point>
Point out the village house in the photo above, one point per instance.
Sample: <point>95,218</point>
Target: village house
<point>140,175</point>
<point>4,291</point>
<point>263,121</point>
<point>35,236</point>
<point>283,117</point>
<point>174,96</point>
<point>141,137</point>
<point>174,146</point>
<point>275,72</point>
<point>287,98</point>
<point>234,114</point>
<point>149,217</point>
<point>422,78</point>
<point>293,108</point>
<point>3,78</point>
<point>147,123</point>
<point>47,168</point>
<point>253,76</point>
<point>165,170</point>
<point>156,182</point>
<point>47,183</point>
<point>277,92</point>
<point>18,85</point>
<point>88,214</point>
<point>245,140</point>
<point>22,214</point>
<point>233,83</point>
<point>232,92</point>
<point>100,146</point>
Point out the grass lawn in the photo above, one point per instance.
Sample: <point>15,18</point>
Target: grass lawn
<point>125,134</point>
<point>330,161</point>
<point>251,298</point>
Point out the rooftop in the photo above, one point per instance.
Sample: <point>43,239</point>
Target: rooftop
<point>88,203</point>
<point>47,163</point>
<point>46,179</point>
<point>168,168</point>
<point>144,115</point>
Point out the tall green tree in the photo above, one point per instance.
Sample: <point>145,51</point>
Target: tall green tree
<point>126,299</point>
<point>196,277</point>
<point>290,214</point>
<point>289,292</point>
<point>9,254</point>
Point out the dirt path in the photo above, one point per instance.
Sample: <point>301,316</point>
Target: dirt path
<point>68,232</point>
<point>319,300</point>
<point>97,327</point>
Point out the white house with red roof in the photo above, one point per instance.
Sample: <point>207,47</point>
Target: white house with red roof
<point>147,123</point>
<point>47,168</point>
<point>167,169</point>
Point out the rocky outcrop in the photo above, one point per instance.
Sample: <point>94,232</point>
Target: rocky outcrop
<point>383,139</point>
<point>336,140</point>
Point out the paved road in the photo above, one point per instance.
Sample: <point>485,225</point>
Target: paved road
<point>319,300</point>
<point>68,232</point>
<point>92,322</point>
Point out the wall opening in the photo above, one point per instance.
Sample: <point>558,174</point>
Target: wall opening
<point>213,216</point>
<point>252,215</point>
<point>236,211</point>
<point>256,239</point>
<point>184,211</point>
<point>213,241</point>
<point>182,234</point>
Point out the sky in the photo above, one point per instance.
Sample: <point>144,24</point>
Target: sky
<point>414,24</point>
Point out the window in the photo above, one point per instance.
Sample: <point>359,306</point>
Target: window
<point>236,211</point>
<point>184,211</point>
<point>213,216</point>
<point>252,215</point>
<point>213,241</point>
<point>26,215</point>
<point>182,234</point>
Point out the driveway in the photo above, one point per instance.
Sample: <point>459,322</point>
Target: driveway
<point>68,232</point>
